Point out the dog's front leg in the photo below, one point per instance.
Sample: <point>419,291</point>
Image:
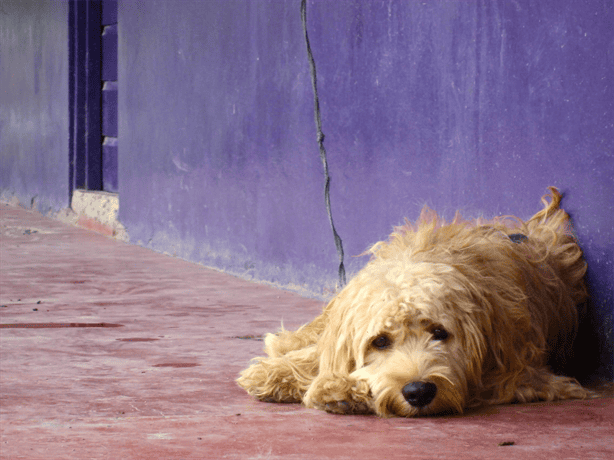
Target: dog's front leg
<point>542,385</point>
<point>281,379</point>
<point>339,395</point>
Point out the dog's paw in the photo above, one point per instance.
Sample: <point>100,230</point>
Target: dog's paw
<point>271,380</point>
<point>339,395</point>
<point>347,408</point>
<point>545,386</point>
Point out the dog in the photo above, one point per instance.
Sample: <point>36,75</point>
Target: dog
<point>444,317</point>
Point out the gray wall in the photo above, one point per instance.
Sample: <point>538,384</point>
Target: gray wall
<point>34,102</point>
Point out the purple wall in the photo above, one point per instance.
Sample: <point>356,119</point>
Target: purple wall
<point>34,103</point>
<point>477,106</point>
<point>218,161</point>
<point>470,105</point>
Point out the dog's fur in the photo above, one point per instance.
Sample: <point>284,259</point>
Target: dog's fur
<point>443,317</point>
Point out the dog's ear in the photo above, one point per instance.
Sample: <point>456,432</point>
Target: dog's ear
<point>333,389</point>
<point>336,344</point>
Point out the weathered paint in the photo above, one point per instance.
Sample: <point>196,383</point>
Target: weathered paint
<point>223,132</point>
<point>34,103</point>
<point>470,105</point>
<point>476,106</point>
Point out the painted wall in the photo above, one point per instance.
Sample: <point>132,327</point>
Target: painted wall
<point>214,105</point>
<point>470,105</point>
<point>476,106</point>
<point>34,103</point>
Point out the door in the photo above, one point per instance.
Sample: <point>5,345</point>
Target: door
<point>93,95</point>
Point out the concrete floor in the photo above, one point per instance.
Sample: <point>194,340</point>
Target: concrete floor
<point>152,374</point>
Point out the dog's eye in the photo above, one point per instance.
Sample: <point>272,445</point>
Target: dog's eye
<point>381,342</point>
<point>439,333</point>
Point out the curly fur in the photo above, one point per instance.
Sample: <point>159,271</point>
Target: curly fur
<point>458,307</point>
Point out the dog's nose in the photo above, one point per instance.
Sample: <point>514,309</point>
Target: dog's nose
<point>419,394</point>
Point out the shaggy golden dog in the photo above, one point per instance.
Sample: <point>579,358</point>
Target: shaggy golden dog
<point>443,317</point>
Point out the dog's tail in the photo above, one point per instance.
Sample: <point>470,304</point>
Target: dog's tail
<point>551,219</point>
<point>550,208</point>
<point>553,228</point>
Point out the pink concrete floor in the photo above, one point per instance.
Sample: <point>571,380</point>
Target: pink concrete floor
<point>157,381</point>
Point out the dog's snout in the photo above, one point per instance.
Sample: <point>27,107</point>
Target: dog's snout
<point>419,394</point>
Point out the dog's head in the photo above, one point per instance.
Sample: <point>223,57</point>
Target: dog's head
<point>409,331</point>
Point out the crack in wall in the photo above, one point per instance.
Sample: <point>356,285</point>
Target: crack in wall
<point>320,137</point>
